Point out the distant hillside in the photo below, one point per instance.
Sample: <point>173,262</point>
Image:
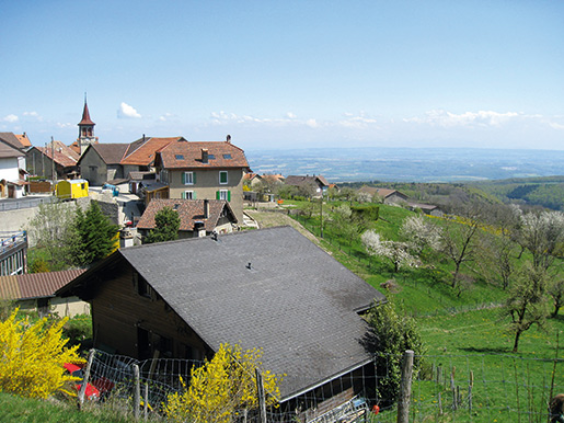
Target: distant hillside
<point>543,191</point>
<point>409,164</point>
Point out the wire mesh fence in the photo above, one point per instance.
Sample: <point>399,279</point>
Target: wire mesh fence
<point>449,388</point>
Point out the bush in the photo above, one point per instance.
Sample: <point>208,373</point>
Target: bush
<point>391,334</point>
<point>78,329</point>
<point>32,357</point>
<point>369,212</point>
<point>221,387</point>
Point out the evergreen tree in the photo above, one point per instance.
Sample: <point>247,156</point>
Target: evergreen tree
<point>96,234</point>
<point>167,224</point>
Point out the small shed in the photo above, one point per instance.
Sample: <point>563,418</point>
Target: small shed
<point>75,188</point>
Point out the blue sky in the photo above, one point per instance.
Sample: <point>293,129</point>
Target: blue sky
<point>287,74</point>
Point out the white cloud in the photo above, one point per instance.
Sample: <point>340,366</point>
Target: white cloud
<point>34,114</point>
<point>11,118</point>
<point>166,117</point>
<point>127,111</point>
<point>64,125</point>
<point>291,115</point>
<point>360,121</point>
<point>556,125</point>
<point>447,119</point>
<point>312,123</point>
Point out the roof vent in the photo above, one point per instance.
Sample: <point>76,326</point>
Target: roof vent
<point>228,139</point>
<point>214,236</point>
<point>249,265</point>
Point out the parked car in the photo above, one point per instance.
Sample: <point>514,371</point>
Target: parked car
<point>97,389</point>
<point>92,393</point>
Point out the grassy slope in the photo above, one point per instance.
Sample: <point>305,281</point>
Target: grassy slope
<point>465,333</point>
<point>14,409</point>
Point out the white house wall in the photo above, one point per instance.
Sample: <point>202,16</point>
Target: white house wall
<point>9,169</point>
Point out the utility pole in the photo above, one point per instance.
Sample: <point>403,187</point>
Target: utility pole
<point>321,214</point>
<point>53,177</point>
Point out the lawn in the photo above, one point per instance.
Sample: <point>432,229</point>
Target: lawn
<point>468,355</point>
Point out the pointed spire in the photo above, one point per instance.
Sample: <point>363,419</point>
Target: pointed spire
<point>86,115</point>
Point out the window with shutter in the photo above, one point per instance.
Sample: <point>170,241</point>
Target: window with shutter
<point>188,178</point>
<point>223,177</point>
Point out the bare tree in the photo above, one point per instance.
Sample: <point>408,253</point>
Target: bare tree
<point>459,244</point>
<point>496,258</point>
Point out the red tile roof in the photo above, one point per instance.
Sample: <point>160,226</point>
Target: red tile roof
<point>273,178</point>
<point>63,155</point>
<point>189,211</point>
<point>188,155</point>
<point>145,154</point>
<point>299,180</point>
<point>382,192</point>
<point>23,139</point>
<point>35,285</point>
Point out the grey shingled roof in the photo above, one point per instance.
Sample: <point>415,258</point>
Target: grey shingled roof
<point>296,302</point>
<point>9,152</point>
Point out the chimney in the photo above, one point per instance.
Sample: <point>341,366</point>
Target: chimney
<point>204,155</point>
<point>228,139</point>
<point>143,138</point>
<point>206,209</point>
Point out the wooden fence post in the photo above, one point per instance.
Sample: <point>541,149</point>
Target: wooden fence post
<point>470,391</point>
<point>261,398</point>
<point>453,389</point>
<point>146,399</point>
<point>136,393</point>
<point>405,395</point>
<point>85,379</point>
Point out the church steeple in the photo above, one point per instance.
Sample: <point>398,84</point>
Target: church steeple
<point>86,129</point>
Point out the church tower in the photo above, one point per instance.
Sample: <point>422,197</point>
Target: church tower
<point>86,130</point>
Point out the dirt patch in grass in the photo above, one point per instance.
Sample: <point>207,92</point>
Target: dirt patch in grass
<point>271,220</point>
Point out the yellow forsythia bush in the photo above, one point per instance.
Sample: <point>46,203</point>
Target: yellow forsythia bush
<point>221,387</point>
<point>32,357</point>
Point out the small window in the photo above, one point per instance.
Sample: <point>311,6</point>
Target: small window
<point>179,157</point>
<point>223,177</point>
<point>211,157</point>
<point>227,156</point>
<point>224,194</point>
<point>188,178</point>
<point>82,186</point>
<point>143,288</point>
<point>189,195</point>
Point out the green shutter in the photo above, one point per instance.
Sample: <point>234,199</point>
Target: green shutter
<point>193,195</point>
<point>228,195</point>
<point>194,178</point>
<point>183,178</point>
<point>184,194</point>
<point>217,195</point>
